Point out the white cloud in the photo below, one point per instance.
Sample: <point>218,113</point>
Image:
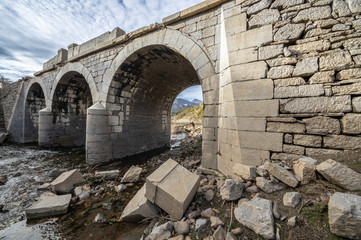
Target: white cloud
<point>32,31</point>
<point>194,92</point>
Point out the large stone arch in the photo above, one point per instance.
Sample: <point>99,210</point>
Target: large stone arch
<point>42,85</point>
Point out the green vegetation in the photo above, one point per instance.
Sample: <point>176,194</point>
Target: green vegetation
<point>191,113</point>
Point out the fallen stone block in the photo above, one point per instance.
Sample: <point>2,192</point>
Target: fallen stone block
<point>245,171</point>
<point>231,190</point>
<point>344,215</point>
<point>48,206</point>
<point>281,174</point>
<point>340,175</point>
<point>305,169</point>
<point>132,175</point>
<point>107,174</point>
<point>268,186</point>
<point>66,182</point>
<point>172,187</point>
<point>139,208</point>
<point>257,215</point>
<point>3,136</point>
<point>291,199</point>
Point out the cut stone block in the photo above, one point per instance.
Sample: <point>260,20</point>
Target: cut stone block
<point>48,206</point>
<point>245,171</point>
<point>66,182</point>
<point>281,174</point>
<point>305,169</point>
<point>139,208</point>
<point>172,187</point>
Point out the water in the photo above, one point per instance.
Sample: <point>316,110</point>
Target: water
<point>176,139</point>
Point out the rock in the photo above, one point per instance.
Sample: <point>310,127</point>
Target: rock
<point>219,234</point>
<point>261,171</point>
<point>82,192</point>
<point>316,46</point>
<point>349,74</point>
<point>307,140</point>
<point>99,218</point>
<point>282,4</point>
<point>120,188</point>
<point>354,5</point>
<point>306,67</point>
<point>257,215</point>
<point>266,16</point>
<point>344,215</point>
<point>132,175</point>
<point>216,221</point>
<point>107,174</point>
<point>351,123</point>
<point>291,199</point>
<point>179,237</point>
<point>342,142</point>
<point>305,170</point>
<point>282,61</point>
<point>272,51</point>
<point>66,182</point>
<point>231,190</point>
<point>172,187</point>
<point>3,179</point>
<point>275,211</point>
<point>289,32</point>
<point>245,171</point>
<point>242,200</point>
<point>3,136</point>
<point>281,174</point>
<point>341,8</point>
<point>322,125</point>
<point>207,213</point>
<point>255,8</point>
<point>48,206</point>
<point>237,231</point>
<point>181,227</point>
<point>313,14</point>
<point>230,236</point>
<point>44,186</point>
<point>356,104</point>
<point>162,232</point>
<point>194,215</point>
<point>335,60</point>
<point>208,195</point>
<point>252,189</point>
<point>280,72</point>
<point>340,175</point>
<point>267,186</point>
<point>139,208</point>
<point>322,77</point>
<point>312,90</point>
<point>200,224</point>
<point>292,221</point>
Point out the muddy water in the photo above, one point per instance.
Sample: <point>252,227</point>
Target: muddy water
<point>29,167</point>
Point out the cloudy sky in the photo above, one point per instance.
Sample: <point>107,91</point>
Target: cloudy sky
<point>31,31</point>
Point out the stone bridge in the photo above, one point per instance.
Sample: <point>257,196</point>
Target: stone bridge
<point>280,80</point>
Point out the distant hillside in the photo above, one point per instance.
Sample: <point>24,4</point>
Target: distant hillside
<point>180,103</point>
<point>191,113</point>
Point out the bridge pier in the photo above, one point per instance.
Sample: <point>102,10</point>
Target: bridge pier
<point>46,129</point>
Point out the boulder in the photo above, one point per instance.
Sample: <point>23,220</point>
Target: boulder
<point>281,174</point>
<point>172,187</point>
<point>305,170</point>
<point>66,182</point>
<point>245,171</point>
<point>231,190</point>
<point>138,208</point>
<point>344,215</point>
<point>219,234</point>
<point>107,174</point>
<point>291,199</point>
<point>132,175</point>
<point>162,232</point>
<point>3,136</point>
<point>257,215</point>
<point>268,186</point>
<point>48,205</point>
<point>340,175</point>
<point>181,227</point>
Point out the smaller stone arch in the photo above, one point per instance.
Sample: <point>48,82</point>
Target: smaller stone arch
<point>39,81</point>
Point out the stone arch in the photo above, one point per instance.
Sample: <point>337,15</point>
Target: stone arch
<point>42,85</point>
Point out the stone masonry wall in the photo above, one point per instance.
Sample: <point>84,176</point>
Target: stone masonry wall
<point>8,97</point>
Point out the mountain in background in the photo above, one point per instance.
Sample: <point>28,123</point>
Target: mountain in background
<point>180,103</point>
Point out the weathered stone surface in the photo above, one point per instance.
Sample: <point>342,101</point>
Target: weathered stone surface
<point>270,51</point>
<point>322,125</point>
<point>335,60</point>
<point>285,82</point>
<point>245,171</point>
<point>291,222</point>
<point>164,184</point>
<point>341,8</point>
<point>181,227</point>
<point>255,8</point>
<point>162,232</point>
<point>313,14</point>
<point>219,234</point>
<point>285,127</point>
<point>342,142</point>
<point>349,74</point>
<point>281,61</point>
<point>107,174</point>
<point>344,215</point>
<point>350,89</point>
<point>351,123</point>
<point>231,190</point>
<point>215,221</point>
<point>132,175</point>
<point>313,90</point>
<point>340,174</point>
<point>291,199</point>
<point>289,32</point>
<point>305,170</point>
<point>66,182</point>
<point>280,72</point>
<point>139,208</point>
<point>200,224</point>
<point>281,174</point>
<point>257,215</point>
<point>356,104</point>
<point>207,213</point>
<point>354,5</point>
<point>48,206</point>
<point>285,157</point>
<point>307,140</point>
<point>322,77</point>
<point>268,186</point>
<point>306,67</point>
<point>3,136</point>
<point>285,3</point>
<point>317,104</point>
<point>265,17</point>
<point>318,46</point>
<point>321,151</point>
<point>293,149</point>
<point>353,45</point>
